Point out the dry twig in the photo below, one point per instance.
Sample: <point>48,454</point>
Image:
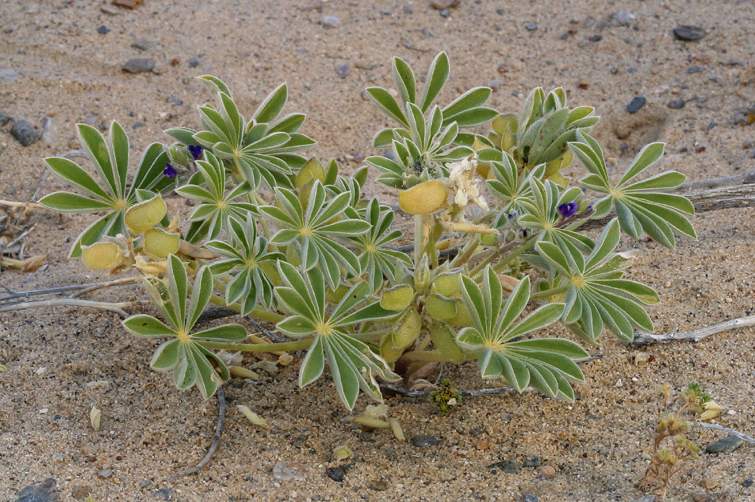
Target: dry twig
<point>69,302</point>
<point>731,432</point>
<point>645,338</point>
<point>215,440</point>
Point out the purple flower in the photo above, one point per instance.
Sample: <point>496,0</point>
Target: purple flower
<point>588,210</point>
<point>170,171</point>
<point>567,210</point>
<point>196,151</point>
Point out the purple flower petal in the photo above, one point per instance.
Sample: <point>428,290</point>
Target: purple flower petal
<point>196,151</point>
<point>588,210</point>
<point>170,171</point>
<point>567,210</point>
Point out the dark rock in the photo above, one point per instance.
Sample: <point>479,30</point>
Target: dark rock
<point>143,45</point>
<point>614,70</point>
<point>139,65</point>
<point>81,492</point>
<point>24,133</point>
<point>747,483</point>
<point>163,493</point>
<point>385,12</point>
<point>193,62</point>
<point>688,33</point>
<point>343,69</point>
<point>710,126</point>
<point>41,491</point>
<point>330,21</point>
<point>532,463</point>
<point>677,104</point>
<point>596,38</point>
<point>300,441</point>
<point>725,445</point>
<point>408,9</point>
<point>475,432</point>
<point>103,30</point>
<point>505,466</point>
<point>635,105</point>
<point>531,27</point>
<point>646,498</point>
<point>565,35</point>
<point>9,75</point>
<point>500,12</point>
<point>337,473</point>
<point>423,440</point>
<point>529,498</point>
<point>4,118</point>
<point>694,69</point>
<point>445,13</point>
<point>632,70</point>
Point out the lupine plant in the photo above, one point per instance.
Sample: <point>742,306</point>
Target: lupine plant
<point>495,259</point>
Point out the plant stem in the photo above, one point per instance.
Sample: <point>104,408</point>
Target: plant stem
<point>549,292</point>
<point>467,252</point>
<point>418,244</point>
<point>258,312</point>
<point>425,356</point>
<point>524,247</point>
<point>261,347</point>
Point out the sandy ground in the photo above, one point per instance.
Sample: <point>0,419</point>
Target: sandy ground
<point>149,431</point>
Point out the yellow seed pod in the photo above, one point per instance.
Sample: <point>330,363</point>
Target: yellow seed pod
<point>145,215</point>
<point>160,243</point>
<point>444,338</point>
<point>312,170</point>
<point>440,307</point>
<point>446,284</point>
<point>406,329</point>
<point>424,198</point>
<point>397,298</point>
<point>101,255</point>
<point>462,317</point>
<point>387,350</point>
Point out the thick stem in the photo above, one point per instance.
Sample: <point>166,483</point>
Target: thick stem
<point>262,347</point>
<point>258,312</point>
<point>549,292</point>
<point>418,245</point>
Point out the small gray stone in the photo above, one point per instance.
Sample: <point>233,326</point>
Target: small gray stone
<point>110,11</point>
<point>339,472</point>
<point>677,104</point>
<point>9,75</point>
<point>445,13</point>
<point>408,9</point>
<point>689,33</point>
<point>4,118</point>
<point>146,482</point>
<point>646,498</point>
<point>444,4</point>
<point>505,466</point>
<point>532,463</point>
<point>343,69</point>
<point>139,65</point>
<point>725,445</point>
<point>330,21</point>
<point>163,493</point>
<point>143,45</point>
<point>694,69</point>
<point>48,130</point>
<point>596,38</point>
<point>531,27</point>
<point>622,18</point>
<point>529,498</point>
<point>103,30</point>
<point>710,126</point>
<point>194,62</point>
<point>747,483</point>
<point>105,473</point>
<point>24,133</point>
<point>41,491</point>
<point>423,440</point>
<point>635,105</point>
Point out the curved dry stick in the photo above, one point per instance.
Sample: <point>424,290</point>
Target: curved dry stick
<point>69,302</point>
<point>731,432</point>
<point>215,440</point>
<point>645,338</point>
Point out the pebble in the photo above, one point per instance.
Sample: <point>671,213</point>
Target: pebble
<point>81,491</point>
<point>710,497</point>
<point>694,69</point>
<point>423,440</point>
<point>531,27</point>
<point>330,21</point>
<point>710,126</point>
<point>747,483</point>
<point>343,69</point>
<point>57,457</point>
<point>677,104</point>
<point>105,473</point>
<point>646,498</point>
<point>622,18</point>
<point>9,75</point>
<point>532,463</point>
<point>143,45</point>
<point>4,118</point>
<point>110,11</point>
<point>289,471</point>
<point>635,105</point>
<point>338,473</point>
<point>408,9</point>
<point>494,85</point>
<point>24,133</point>
<point>529,498</point>
<point>444,4</point>
<point>689,33</point>
<point>358,157</point>
<point>143,484</point>
<point>139,65</point>
<point>103,30</point>
<point>163,493</point>
<point>725,445</point>
<point>41,491</point>
<point>445,13</point>
<point>48,130</point>
<point>596,38</point>
<point>548,471</point>
<point>505,466</point>
<point>194,62</point>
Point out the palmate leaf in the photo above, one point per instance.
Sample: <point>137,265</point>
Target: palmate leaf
<point>352,363</point>
<point>545,363</point>
<point>313,229</point>
<point>597,296</point>
<point>641,206</point>
<point>112,193</point>
<point>185,355</point>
